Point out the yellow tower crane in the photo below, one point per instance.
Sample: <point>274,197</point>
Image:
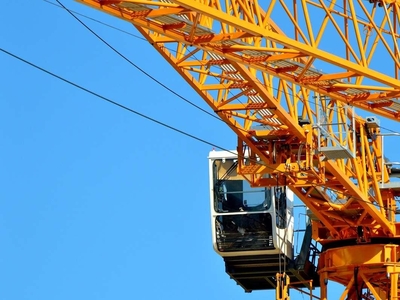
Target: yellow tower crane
<point>285,76</point>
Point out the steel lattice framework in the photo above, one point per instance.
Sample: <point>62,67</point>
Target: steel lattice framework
<point>255,64</point>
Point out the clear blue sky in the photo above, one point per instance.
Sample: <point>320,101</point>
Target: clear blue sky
<point>97,203</point>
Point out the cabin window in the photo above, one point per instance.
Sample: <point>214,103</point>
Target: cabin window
<point>281,208</point>
<point>244,232</point>
<point>233,194</point>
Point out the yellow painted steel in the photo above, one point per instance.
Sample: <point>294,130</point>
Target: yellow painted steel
<point>246,33</point>
<point>282,286</point>
<point>254,63</point>
<point>376,266</point>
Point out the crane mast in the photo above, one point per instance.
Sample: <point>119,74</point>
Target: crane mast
<point>286,77</point>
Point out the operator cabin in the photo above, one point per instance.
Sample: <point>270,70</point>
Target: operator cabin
<point>252,228</point>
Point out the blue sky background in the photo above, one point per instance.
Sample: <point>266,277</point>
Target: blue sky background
<point>97,203</point>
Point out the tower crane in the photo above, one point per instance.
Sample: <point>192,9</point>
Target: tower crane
<point>286,77</point>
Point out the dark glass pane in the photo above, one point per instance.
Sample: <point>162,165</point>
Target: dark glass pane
<point>246,232</point>
<point>237,195</point>
<point>233,194</point>
<point>280,208</point>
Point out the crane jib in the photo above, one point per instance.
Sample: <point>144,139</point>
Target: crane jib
<point>286,78</point>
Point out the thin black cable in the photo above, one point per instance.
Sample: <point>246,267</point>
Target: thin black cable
<point>136,36</point>
<point>73,13</point>
<point>100,22</point>
<point>61,5</point>
<point>149,118</point>
<point>172,50</point>
<point>143,39</point>
<point>112,101</point>
<point>154,79</point>
<point>136,66</point>
<point>390,130</point>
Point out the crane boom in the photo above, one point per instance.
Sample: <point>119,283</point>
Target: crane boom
<point>243,32</point>
<point>296,125</point>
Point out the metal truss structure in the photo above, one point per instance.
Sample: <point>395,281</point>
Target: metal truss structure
<point>285,77</point>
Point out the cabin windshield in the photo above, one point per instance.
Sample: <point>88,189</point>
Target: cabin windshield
<point>244,232</point>
<point>233,194</point>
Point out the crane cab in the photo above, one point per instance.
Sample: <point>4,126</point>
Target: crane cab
<point>252,228</point>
